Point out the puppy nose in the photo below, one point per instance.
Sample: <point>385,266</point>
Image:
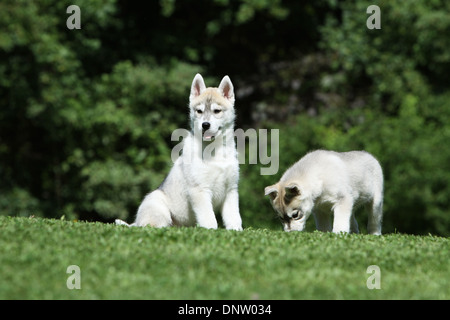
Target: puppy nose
<point>206,125</point>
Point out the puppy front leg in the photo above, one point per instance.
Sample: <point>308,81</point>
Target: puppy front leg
<point>203,210</point>
<point>342,215</point>
<point>230,211</point>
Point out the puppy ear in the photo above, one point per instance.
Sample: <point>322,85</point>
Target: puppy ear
<point>198,86</point>
<point>292,190</point>
<point>226,89</point>
<point>271,191</point>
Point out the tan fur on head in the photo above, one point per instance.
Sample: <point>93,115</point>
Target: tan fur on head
<point>209,95</point>
<point>281,195</point>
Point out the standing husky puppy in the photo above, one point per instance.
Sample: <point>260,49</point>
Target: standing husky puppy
<point>325,181</point>
<point>204,179</point>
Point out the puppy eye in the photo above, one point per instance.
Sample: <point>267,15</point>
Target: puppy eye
<point>199,111</point>
<point>297,215</point>
<point>217,111</point>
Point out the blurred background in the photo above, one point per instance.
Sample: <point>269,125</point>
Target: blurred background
<point>86,115</point>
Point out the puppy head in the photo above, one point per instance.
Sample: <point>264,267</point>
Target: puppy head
<point>211,109</point>
<point>290,204</point>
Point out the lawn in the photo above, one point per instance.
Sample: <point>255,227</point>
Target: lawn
<point>118,262</point>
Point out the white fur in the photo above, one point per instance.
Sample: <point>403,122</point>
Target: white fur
<point>204,179</point>
<point>325,181</point>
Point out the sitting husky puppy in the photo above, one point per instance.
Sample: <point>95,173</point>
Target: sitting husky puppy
<point>325,181</point>
<point>200,183</point>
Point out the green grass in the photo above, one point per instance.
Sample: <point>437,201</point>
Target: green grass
<point>117,262</point>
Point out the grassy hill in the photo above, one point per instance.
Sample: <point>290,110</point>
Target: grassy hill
<point>117,262</point>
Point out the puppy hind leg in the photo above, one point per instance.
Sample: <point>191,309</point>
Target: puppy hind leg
<point>154,211</point>
<point>375,217</point>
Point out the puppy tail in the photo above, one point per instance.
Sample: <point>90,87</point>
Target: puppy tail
<point>123,223</point>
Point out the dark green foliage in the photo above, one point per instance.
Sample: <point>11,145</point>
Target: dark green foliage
<point>86,115</point>
<point>76,142</point>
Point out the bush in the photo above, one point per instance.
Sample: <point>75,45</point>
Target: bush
<point>86,116</point>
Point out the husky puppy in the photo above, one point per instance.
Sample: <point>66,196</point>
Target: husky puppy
<point>204,179</point>
<point>326,181</point>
